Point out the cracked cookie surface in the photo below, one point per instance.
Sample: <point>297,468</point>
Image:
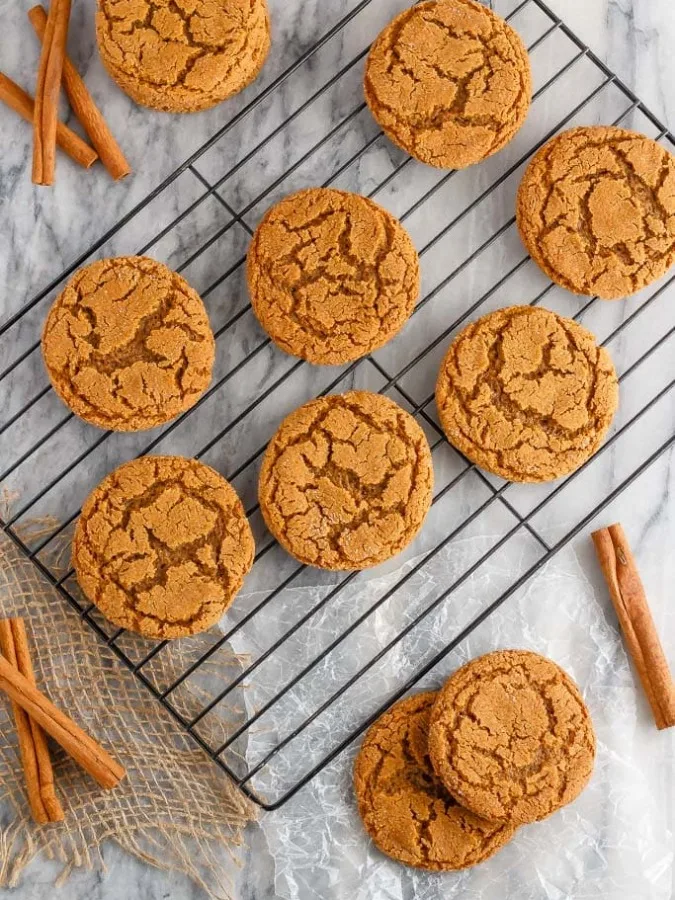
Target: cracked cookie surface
<point>596,211</point>
<point>404,806</point>
<point>182,55</point>
<point>128,344</point>
<point>511,737</point>
<point>162,546</point>
<point>346,481</point>
<point>331,275</point>
<point>526,394</point>
<point>449,82</point>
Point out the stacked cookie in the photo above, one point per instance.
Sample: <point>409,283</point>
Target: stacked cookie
<point>444,779</point>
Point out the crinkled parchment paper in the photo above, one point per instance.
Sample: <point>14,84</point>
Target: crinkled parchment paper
<point>615,841</point>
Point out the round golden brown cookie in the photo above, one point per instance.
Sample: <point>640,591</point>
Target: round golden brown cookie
<point>128,344</point>
<point>596,210</point>
<point>449,82</point>
<point>511,737</point>
<point>162,546</point>
<point>331,275</point>
<point>346,481</point>
<point>526,394</point>
<point>404,806</point>
<point>182,55</point>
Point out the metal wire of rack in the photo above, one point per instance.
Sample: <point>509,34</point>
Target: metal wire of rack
<point>285,713</point>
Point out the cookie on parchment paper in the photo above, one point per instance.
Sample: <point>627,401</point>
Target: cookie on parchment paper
<point>511,737</point>
<point>404,806</point>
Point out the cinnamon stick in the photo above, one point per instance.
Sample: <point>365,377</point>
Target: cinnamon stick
<point>35,758</point>
<point>84,749</point>
<point>21,102</point>
<point>84,107</point>
<point>639,631</point>
<point>47,92</point>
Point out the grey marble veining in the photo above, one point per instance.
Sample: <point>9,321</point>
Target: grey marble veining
<point>313,847</point>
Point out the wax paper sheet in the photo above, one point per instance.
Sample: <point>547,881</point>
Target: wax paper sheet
<point>614,841</point>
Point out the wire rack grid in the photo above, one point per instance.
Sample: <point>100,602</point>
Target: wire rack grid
<point>324,654</point>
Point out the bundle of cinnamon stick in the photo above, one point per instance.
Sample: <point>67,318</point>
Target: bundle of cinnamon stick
<point>57,69</point>
<point>34,715</point>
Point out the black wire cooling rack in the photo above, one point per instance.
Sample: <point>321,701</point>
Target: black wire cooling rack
<point>325,653</point>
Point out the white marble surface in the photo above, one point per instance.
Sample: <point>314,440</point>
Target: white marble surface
<point>616,842</point>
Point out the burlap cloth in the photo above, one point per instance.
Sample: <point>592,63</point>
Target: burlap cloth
<point>175,809</point>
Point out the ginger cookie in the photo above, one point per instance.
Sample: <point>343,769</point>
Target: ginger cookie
<point>511,737</point>
<point>404,806</point>
<point>346,481</point>
<point>128,344</point>
<point>162,546</point>
<point>526,394</point>
<point>596,211</point>
<point>182,55</point>
<point>449,82</point>
<point>332,275</point>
